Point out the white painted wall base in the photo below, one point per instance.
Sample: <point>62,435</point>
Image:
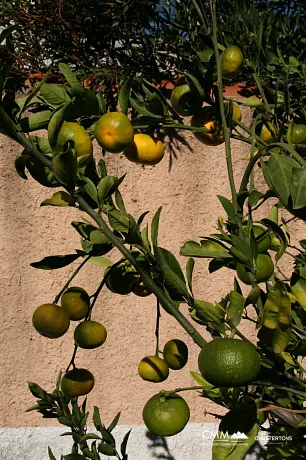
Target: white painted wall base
<point>191,444</point>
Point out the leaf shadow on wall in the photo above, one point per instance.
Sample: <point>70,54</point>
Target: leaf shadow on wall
<point>159,444</point>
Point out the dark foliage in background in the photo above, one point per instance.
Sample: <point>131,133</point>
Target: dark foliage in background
<point>154,38</point>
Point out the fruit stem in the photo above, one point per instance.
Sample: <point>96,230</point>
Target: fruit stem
<point>73,358</point>
<point>226,130</point>
<point>70,279</point>
<point>177,390</point>
<point>157,327</point>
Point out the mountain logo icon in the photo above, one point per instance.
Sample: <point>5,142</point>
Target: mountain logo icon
<point>239,435</point>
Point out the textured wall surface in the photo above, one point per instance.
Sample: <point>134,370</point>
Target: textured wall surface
<point>188,194</point>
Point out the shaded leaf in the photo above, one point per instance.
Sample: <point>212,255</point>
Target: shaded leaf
<point>55,262</point>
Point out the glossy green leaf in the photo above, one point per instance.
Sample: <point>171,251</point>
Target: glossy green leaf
<point>90,188</point>
<point>281,338</point>
<point>277,309</point>
<point>65,167</point>
<point>60,198</point>
<point>298,188</point>
<point>253,295</point>
<point>235,307</point>
<point>207,249</point>
<point>189,272</point>
<point>124,444</point>
<point>211,315</point>
<point>280,170</point>
<point>107,186</point>
<point>228,207</point>
<point>154,226</point>
<point>142,109</point>
<point>298,287</point>
<point>56,123</point>
<point>38,120</point>
<point>173,275</point>
<point>55,94</point>
<point>118,221</point>
<point>124,94</point>
<point>70,77</point>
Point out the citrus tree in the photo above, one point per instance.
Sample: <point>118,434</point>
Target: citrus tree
<point>257,383</point>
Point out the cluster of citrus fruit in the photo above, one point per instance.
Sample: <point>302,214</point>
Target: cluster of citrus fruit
<point>123,279</point>
<point>156,369</point>
<point>115,133</point>
<point>186,101</point>
<point>223,362</point>
<point>53,321</point>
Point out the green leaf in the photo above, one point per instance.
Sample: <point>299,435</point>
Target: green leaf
<point>142,110</point>
<point>70,77</point>
<point>20,165</point>
<point>254,197</point>
<point>90,188</point>
<point>281,338</point>
<point>124,94</point>
<point>277,309</point>
<point>235,307</point>
<point>88,436</point>
<point>90,233</point>
<point>55,94</point>
<point>277,230</point>
<point>280,170</point>
<point>59,199</point>
<point>119,202</point>
<point>210,315</point>
<point>114,422</point>
<point>100,261</point>
<point>96,418</point>
<point>107,449</point>
<point>242,247</point>
<point>253,296</point>
<point>205,55</point>
<point>118,221</point>
<point>207,249</point>
<point>50,453</point>
<point>200,380</point>
<point>31,96</point>
<point>55,262</point>
<point>7,126</point>
<point>195,84</point>
<point>154,226</point>
<point>298,188</point>
<point>38,120</point>
<point>189,272</point>
<point>56,123</point>
<point>173,275</point>
<point>37,391</point>
<point>107,186</point>
<point>124,443</point>
<point>228,207</point>
<point>65,167</point>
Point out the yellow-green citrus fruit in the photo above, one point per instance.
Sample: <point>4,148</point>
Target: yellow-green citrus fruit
<point>229,362</point>
<point>75,301</point>
<point>120,281</point>
<point>140,289</point>
<point>90,334</point>
<point>114,132</point>
<point>77,382</point>
<point>298,134</point>
<point>145,150</point>
<point>153,369</point>
<point>268,132</point>
<point>208,117</point>
<point>231,62</point>
<point>185,100</point>
<point>50,320</point>
<point>175,354</point>
<point>72,131</point>
<point>166,415</point>
<point>263,245</point>
<point>264,269</point>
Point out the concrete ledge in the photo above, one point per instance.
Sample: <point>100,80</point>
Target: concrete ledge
<point>194,442</point>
